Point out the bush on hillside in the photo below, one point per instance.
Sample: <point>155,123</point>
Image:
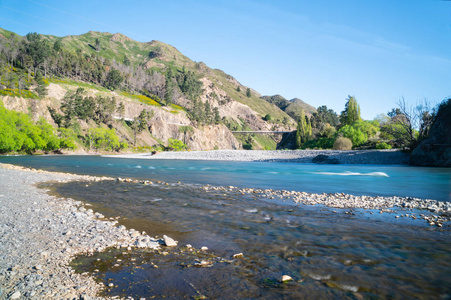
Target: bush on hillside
<point>176,145</point>
<point>18,133</point>
<point>342,143</point>
<point>383,146</point>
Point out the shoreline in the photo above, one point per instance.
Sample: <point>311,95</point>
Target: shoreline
<point>377,157</point>
<point>40,234</point>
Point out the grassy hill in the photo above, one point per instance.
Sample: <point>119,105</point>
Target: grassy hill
<point>144,72</point>
<point>158,56</point>
<point>292,107</point>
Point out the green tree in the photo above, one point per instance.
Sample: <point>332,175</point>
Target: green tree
<point>67,138</point>
<point>409,125</point>
<point>356,136</point>
<point>41,88</point>
<point>48,135</point>
<point>37,49</point>
<point>169,84</point>
<point>114,79</point>
<point>248,93</point>
<point>57,46</point>
<point>217,116</point>
<point>176,145</point>
<point>304,130</point>
<point>323,116</point>
<point>97,44</point>
<point>267,117</point>
<point>103,139</point>
<point>351,113</point>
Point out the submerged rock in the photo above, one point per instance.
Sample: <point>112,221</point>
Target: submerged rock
<point>324,159</point>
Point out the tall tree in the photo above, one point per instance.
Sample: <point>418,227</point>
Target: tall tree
<point>304,130</point>
<point>97,44</point>
<point>351,112</point>
<point>37,49</point>
<point>248,92</point>
<point>41,88</point>
<point>114,79</point>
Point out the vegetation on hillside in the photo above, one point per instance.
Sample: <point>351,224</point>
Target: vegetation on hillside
<point>19,134</point>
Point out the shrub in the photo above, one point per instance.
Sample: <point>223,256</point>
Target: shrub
<point>342,143</point>
<point>104,139</point>
<point>383,146</point>
<point>176,145</point>
<point>320,143</point>
<point>354,134</point>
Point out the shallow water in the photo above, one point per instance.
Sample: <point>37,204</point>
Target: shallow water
<point>328,253</point>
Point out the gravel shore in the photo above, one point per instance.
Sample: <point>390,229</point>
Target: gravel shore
<point>39,235</point>
<point>380,157</point>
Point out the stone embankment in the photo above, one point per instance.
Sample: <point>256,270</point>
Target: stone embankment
<point>40,234</point>
<point>377,157</point>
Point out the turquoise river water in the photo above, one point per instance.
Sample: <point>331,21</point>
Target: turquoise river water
<point>328,253</point>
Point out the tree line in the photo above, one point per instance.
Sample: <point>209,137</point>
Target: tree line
<point>402,127</point>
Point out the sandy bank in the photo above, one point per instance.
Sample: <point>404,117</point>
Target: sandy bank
<point>392,157</point>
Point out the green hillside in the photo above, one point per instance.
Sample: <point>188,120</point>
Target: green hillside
<point>158,56</point>
<point>152,73</point>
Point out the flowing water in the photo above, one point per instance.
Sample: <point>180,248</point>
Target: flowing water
<point>329,254</point>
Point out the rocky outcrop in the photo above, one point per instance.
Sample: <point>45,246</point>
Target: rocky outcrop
<point>436,149</point>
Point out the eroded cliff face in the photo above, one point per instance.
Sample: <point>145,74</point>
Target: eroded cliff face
<point>436,149</point>
<point>235,110</point>
<point>166,123</point>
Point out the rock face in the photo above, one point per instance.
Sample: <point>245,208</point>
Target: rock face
<point>436,149</point>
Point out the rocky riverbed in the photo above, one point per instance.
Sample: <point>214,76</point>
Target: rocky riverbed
<point>380,157</point>
<point>432,211</point>
<point>40,234</point>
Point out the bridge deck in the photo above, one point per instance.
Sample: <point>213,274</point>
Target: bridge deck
<point>261,131</point>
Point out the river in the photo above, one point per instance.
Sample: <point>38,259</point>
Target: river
<point>327,252</point>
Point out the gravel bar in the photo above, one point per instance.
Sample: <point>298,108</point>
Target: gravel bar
<point>40,234</point>
<point>379,157</point>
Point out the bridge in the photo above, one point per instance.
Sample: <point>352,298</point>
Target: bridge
<point>261,131</point>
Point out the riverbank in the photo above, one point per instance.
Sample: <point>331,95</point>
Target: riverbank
<point>380,157</point>
<point>40,234</point>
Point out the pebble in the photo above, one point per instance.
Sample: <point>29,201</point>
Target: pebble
<point>15,295</point>
<point>168,241</point>
<point>285,278</point>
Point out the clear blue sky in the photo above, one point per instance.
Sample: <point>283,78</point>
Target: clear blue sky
<point>319,51</point>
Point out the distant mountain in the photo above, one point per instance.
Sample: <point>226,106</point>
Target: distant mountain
<point>292,107</point>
